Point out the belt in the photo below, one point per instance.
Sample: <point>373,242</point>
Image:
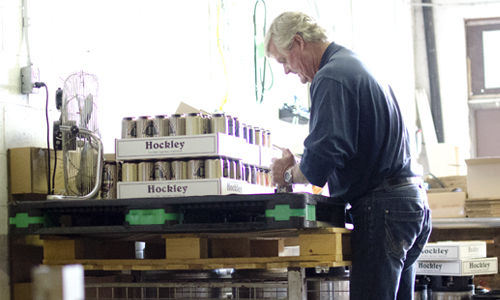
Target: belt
<point>401,180</point>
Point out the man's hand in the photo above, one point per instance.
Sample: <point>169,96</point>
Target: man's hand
<point>280,165</point>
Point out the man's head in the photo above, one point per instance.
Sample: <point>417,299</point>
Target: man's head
<point>296,42</point>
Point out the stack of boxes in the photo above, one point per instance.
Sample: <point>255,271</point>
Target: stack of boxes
<point>456,258</point>
<point>483,187</point>
<point>193,155</point>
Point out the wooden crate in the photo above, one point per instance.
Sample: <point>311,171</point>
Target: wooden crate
<point>328,247</point>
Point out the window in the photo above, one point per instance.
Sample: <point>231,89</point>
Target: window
<point>483,59</point>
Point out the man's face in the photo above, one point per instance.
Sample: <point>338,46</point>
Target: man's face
<point>292,60</point>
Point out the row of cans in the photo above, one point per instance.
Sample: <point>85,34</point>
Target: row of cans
<point>160,170</point>
<point>193,124</point>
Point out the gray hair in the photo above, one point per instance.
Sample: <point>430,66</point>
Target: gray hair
<point>287,25</point>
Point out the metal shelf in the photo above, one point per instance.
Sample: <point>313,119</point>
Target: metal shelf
<point>448,223</point>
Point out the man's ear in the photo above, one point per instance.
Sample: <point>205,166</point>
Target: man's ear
<point>299,40</point>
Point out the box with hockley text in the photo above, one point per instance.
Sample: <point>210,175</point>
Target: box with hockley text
<point>466,267</point>
<point>204,145</point>
<point>189,187</point>
<point>453,250</point>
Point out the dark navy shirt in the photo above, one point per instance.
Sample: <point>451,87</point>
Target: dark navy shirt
<point>356,133</point>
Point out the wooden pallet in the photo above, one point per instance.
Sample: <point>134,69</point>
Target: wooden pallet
<point>326,247</point>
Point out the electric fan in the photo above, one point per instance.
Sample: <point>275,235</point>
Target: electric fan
<point>81,144</point>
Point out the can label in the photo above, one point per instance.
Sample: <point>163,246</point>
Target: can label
<point>238,170</point>
<point>248,176</point>
<point>250,137</point>
<point>206,120</point>
<point>244,132</point>
<point>128,128</point>
<point>232,169</point>
<point>177,125</point>
<point>109,179</point>
<point>162,170</point>
<point>195,169</point>
<point>160,126</point>
<point>237,131</point>
<point>144,127</point>
<point>230,125</point>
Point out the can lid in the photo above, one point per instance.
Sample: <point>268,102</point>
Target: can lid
<point>128,118</point>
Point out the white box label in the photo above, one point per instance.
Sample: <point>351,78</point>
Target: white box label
<point>146,148</point>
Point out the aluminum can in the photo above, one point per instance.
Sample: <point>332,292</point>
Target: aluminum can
<point>267,177</point>
<point>248,175</point>
<point>206,124</point>
<point>236,125</point>
<point>253,175</point>
<point>193,124</point>
<point>162,170</point>
<point>218,123</point>
<point>263,137</point>
<point>196,169</point>
<point>129,172</point>
<point>109,180</point>
<point>213,168</point>
<point>230,125</point>
<point>225,167</point>
<point>250,134</point>
<point>160,126</point>
<point>128,128</point>
<point>178,170</point>
<point>238,169</point>
<point>268,139</point>
<point>232,168</point>
<point>257,136</point>
<point>145,171</point>
<point>176,125</point>
<point>244,132</point>
<point>144,127</point>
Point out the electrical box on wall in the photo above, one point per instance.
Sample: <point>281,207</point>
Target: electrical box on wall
<point>29,75</point>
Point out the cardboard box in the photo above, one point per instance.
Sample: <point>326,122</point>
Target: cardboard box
<point>190,187</point>
<point>483,178</point>
<point>466,267</point>
<point>453,250</point>
<point>28,171</point>
<point>447,204</point>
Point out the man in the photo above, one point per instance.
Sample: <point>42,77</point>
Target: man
<point>358,144</point>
